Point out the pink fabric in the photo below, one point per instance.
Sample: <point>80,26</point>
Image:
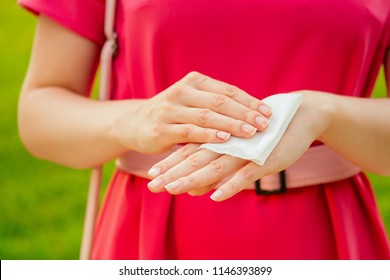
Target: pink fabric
<point>85,17</point>
<point>264,47</point>
<point>306,171</point>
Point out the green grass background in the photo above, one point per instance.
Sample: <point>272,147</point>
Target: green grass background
<point>42,204</point>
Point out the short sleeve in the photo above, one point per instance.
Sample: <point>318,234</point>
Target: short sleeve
<point>85,17</point>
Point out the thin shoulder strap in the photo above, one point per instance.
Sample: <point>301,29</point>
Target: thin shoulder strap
<point>387,71</point>
<point>107,53</point>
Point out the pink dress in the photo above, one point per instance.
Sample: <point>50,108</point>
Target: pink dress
<point>264,47</point>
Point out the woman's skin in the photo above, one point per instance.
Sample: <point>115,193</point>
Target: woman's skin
<point>58,122</point>
<point>356,128</point>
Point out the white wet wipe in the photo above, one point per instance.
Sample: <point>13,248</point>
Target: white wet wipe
<point>259,147</point>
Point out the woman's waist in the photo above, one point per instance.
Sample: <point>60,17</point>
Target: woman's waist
<point>318,165</point>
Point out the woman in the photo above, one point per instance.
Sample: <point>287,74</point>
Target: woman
<point>330,51</point>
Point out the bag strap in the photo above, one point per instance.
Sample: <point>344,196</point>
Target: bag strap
<point>108,51</point>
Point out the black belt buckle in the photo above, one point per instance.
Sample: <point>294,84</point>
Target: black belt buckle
<point>283,185</point>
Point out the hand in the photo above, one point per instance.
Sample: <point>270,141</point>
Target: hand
<point>198,171</point>
<point>196,109</point>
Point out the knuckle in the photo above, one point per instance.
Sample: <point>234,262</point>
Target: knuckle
<point>194,77</point>
<point>247,174</point>
<point>194,160</point>
<point>204,116</point>
<point>231,91</point>
<point>255,104</point>
<point>187,181</point>
<point>185,131</point>
<point>219,100</point>
<point>164,166</point>
<point>217,167</point>
<point>207,135</point>
<point>165,110</point>
<point>195,193</point>
<point>156,131</point>
<point>249,115</point>
<point>185,151</point>
<point>167,178</point>
<point>192,74</point>
<point>175,91</point>
<point>199,192</point>
<point>231,188</point>
<point>235,126</point>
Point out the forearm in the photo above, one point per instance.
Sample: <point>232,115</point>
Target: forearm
<point>359,130</point>
<point>58,125</point>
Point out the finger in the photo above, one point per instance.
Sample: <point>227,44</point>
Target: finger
<point>205,83</point>
<point>224,105</point>
<point>190,133</point>
<point>209,119</point>
<point>241,179</point>
<point>181,164</point>
<point>211,173</point>
<point>173,159</point>
<point>202,191</point>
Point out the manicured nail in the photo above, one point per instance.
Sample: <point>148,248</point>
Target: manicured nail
<point>223,135</point>
<point>156,183</point>
<point>173,186</point>
<point>262,122</point>
<point>154,171</point>
<point>248,129</point>
<point>265,110</point>
<point>217,195</point>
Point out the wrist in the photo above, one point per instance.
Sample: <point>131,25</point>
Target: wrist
<point>323,107</point>
<point>327,111</point>
<point>123,128</point>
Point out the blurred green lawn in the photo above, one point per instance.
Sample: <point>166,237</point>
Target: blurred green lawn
<point>42,204</point>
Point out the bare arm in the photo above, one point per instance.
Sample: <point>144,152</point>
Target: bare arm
<point>56,118</point>
<point>58,122</point>
<point>360,130</point>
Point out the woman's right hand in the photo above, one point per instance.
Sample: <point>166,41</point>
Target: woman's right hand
<point>58,122</point>
<point>196,109</point>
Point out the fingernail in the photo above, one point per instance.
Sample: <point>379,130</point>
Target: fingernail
<point>155,183</point>
<point>265,110</point>
<point>262,122</point>
<point>249,129</point>
<point>217,195</point>
<point>223,135</point>
<point>173,186</point>
<point>154,171</point>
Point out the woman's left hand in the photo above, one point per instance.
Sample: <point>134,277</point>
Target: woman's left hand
<point>197,171</point>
